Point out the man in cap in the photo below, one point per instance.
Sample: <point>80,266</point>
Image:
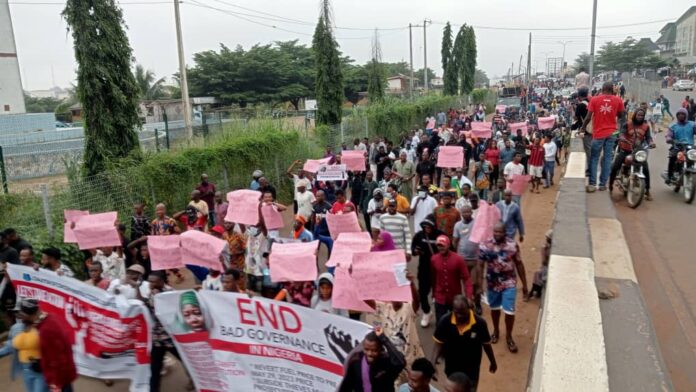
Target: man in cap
<point>218,231</point>
<point>50,259</point>
<point>450,277</point>
<point>131,287</point>
<point>424,246</point>
<point>422,205</point>
<point>375,207</point>
<point>299,232</point>
<point>255,185</point>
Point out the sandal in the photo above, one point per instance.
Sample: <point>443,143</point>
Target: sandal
<point>512,346</point>
<point>494,338</point>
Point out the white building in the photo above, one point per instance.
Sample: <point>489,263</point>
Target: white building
<point>685,40</point>
<point>11,92</point>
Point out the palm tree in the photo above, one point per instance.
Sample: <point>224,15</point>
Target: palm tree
<point>150,89</point>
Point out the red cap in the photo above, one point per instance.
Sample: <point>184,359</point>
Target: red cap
<point>442,240</point>
<point>218,229</point>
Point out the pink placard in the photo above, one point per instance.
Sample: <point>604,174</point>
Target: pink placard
<point>481,130</point>
<point>345,245</point>
<point>243,207</point>
<point>71,216</point>
<point>519,125</point>
<point>546,122</point>
<point>342,223</point>
<point>353,159</point>
<point>344,294</point>
<point>165,251</point>
<point>500,108</point>
<point>312,165</point>
<point>450,157</point>
<point>294,262</point>
<point>519,184</point>
<point>373,275</point>
<point>271,217</point>
<point>97,231</point>
<point>486,218</point>
<point>199,248</point>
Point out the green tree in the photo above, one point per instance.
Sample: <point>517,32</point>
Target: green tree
<point>582,62</point>
<point>468,70</point>
<point>150,89</point>
<point>420,76</point>
<point>449,66</point>
<point>627,56</point>
<point>41,105</point>
<point>376,79</point>
<point>393,69</point>
<point>480,78</point>
<point>456,63</point>
<point>329,85</point>
<point>355,79</point>
<point>106,87</point>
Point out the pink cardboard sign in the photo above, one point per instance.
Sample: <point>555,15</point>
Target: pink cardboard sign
<point>518,125</point>
<point>519,184</point>
<point>450,157</point>
<point>344,294</point>
<point>346,245</point>
<point>342,223</point>
<point>97,231</point>
<point>312,165</point>
<point>481,130</point>
<point>199,248</point>
<point>354,160</point>
<point>165,251</point>
<point>294,262</point>
<point>486,218</point>
<point>271,217</point>
<point>373,275</point>
<point>500,108</point>
<point>71,216</point>
<point>546,122</point>
<point>243,207</point>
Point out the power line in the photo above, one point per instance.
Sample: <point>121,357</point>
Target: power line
<point>63,4</point>
<point>560,28</point>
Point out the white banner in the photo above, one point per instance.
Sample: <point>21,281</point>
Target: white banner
<point>230,342</point>
<point>331,173</point>
<point>111,336</point>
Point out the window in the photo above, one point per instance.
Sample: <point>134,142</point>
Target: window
<point>7,108</point>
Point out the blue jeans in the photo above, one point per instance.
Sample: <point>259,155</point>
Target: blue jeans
<point>326,240</point>
<point>601,146</point>
<point>33,381</point>
<point>548,172</point>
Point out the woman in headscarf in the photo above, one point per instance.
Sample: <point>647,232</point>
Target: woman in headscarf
<point>634,133</point>
<point>382,241</point>
<point>191,312</point>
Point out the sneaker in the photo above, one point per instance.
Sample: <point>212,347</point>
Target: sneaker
<point>590,189</point>
<point>425,320</point>
<point>648,196</point>
<point>602,188</point>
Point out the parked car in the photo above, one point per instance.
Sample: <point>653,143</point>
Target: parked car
<point>60,124</point>
<point>684,85</point>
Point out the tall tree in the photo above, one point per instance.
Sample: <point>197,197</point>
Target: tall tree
<point>449,66</point>
<point>149,87</point>
<point>468,71</point>
<point>420,76</point>
<point>329,85</point>
<point>582,62</point>
<point>376,82</point>
<point>106,87</point>
<point>456,63</point>
<point>355,79</point>
<point>627,56</point>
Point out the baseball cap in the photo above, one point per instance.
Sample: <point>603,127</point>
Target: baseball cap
<point>442,240</point>
<point>27,306</point>
<point>137,268</point>
<point>218,229</point>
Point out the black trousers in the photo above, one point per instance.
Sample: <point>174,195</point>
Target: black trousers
<point>368,223</point>
<point>156,363</point>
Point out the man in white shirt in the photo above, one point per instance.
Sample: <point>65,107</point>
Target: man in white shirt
<point>114,265</point>
<point>305,201</point>
<point>422,205</point>
<point>132,287</point>
<point>550,150</point>
<point>511,169</point>
<point>375,207</point>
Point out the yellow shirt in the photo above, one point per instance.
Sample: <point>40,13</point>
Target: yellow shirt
<point>402,205</point>
<point>27,345</point>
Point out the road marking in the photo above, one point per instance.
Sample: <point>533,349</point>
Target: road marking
<point>610,250</point>
<point>576,165</point>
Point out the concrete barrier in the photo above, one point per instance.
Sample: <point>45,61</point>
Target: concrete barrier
<point>583,343</point>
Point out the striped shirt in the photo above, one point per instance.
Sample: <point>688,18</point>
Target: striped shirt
<point>397,226</point>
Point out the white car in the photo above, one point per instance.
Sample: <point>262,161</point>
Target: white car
<point>684,85</point>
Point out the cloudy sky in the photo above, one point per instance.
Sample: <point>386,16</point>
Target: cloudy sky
<point>502,26</point>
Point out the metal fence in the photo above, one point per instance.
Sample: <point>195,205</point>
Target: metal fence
<point>642,89</point>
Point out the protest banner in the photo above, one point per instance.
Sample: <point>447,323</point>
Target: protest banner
<point>450,157</point>
<point>354,160</point>
<point>345,245</point>
<point>331,173</point>
<point>342,223</point>
<point>344,294</point>
<point>271,217</point>
<point>312,165</point>
<point>546,122</point>
<point>199,248</point>
<point>519,125</point>
<point>110,335</point>
<point>519,184</point>
<point>481,130</point>
<point>165,251</point>
<point>294,262</point>
<point>243,207</point>
<point>257,344</point>
<point>374,277</point>
<point>486,218</point>
<point>96,231</point>
<point>500,108</point>
<point>70,217</point>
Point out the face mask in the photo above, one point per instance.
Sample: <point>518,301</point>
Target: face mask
<point>421,194</point>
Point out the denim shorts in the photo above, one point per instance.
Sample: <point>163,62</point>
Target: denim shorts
<point>502,299</point>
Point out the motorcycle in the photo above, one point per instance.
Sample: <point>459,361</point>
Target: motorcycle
<point>631,179</point>
<point>684,177</point>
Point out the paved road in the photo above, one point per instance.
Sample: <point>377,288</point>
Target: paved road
<point>660,236</point>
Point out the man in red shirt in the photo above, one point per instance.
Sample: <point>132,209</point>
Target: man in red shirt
<point>604,110</point>
<point>341,202</point>
<point>449,273</point>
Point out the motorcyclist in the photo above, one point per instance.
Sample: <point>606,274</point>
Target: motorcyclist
<point>633,133</point>
<point>679,133</point>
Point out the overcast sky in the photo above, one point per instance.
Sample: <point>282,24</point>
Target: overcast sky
<point>46,55</point>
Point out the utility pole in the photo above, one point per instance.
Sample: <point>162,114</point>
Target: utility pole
<point>519,66</point>
<point>592,41</point>
<point>564,43</point>
<point>182,71</point>
<point>410,53</point>
<point>425,55</point>
<point>529,60</point>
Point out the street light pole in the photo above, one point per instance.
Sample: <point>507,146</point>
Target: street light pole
<point>182,71</point>
<point>425,56</point>
<point>592,41</point>
<point>564,43</point>
<point>410,52</point>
